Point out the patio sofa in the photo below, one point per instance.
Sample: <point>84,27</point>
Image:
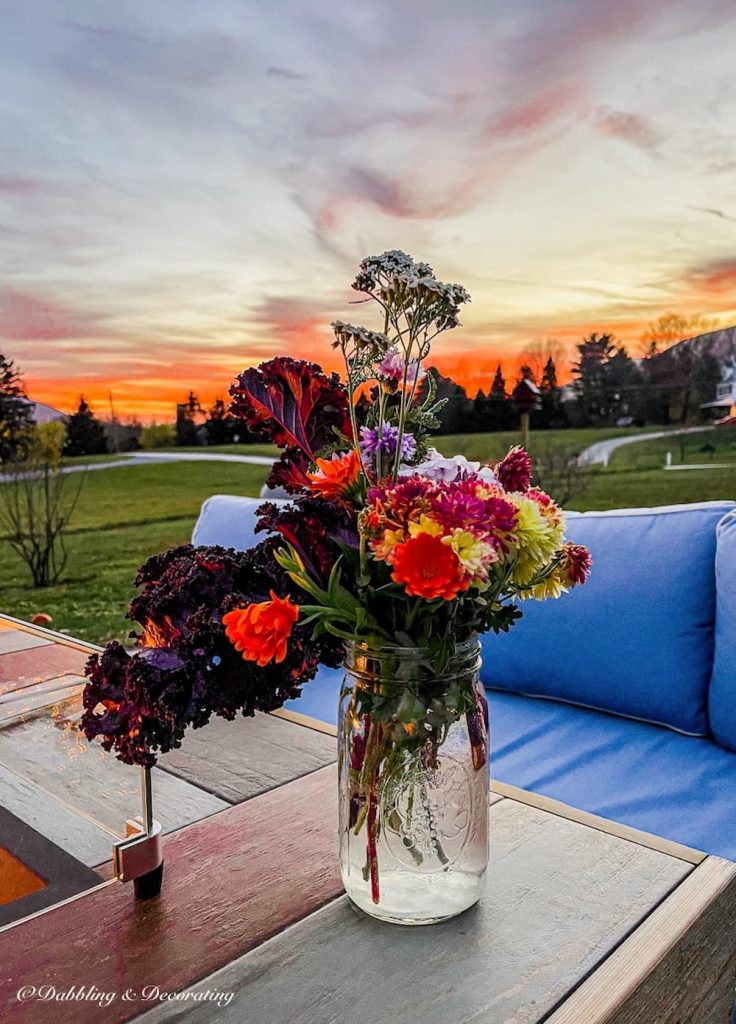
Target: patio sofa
<point>620,698</point>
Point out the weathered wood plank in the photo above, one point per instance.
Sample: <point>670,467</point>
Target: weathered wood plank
<point>560,896</point>
<point>12,640</point>
<point>677,968</point>
<point>54,755</point>
<point>57,821</point>
<point>237,760</point>
<point>38,664</point>
<point>231,882</point>
<point>614,828</point>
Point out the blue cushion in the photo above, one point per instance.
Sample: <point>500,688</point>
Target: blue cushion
<point>638,638</point>
<point>722,697</point>
<point>230,521</point>
<point>319,697</point>
<point>679,787</point>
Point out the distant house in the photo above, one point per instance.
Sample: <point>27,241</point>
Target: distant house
<point>725,399</point>
<point>721,345</point>
<point>44,413</point>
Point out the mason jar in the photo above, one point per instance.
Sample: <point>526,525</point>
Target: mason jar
<point>414,781</point>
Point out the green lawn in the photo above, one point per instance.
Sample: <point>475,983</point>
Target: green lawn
<point>488,447</point>
<point>716,445</point>
<point>233,449</point>
<point>127,513</point>
<point>123,516</point>
<point>635,488</point>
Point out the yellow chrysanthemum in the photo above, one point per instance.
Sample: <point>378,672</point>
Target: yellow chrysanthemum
<point>425,525</point>
<point>551,587</point>
<point>472,553</point>
<point>537,539</point>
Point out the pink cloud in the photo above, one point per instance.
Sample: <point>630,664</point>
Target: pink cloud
<point>17,185</point>
<point>27,317</point>
<point>532,115</point>
<point>716,276</point>
<point>629,127</point>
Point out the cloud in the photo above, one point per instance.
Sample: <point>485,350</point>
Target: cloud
<point>28,317</point>
<point>294,76</point>
<point>207,183</point>
<point>18,185</point>
<point>713,212</point>
<point>717,276</point>
<point>635,129</point>
<point>299,327</point>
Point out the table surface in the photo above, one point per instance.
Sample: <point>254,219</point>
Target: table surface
<point>583,921</point>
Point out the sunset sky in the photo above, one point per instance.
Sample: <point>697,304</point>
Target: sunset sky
<point>186,187</point>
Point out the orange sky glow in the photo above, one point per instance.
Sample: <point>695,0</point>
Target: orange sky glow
<point>184,197</point>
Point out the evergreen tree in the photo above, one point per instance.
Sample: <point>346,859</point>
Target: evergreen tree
<point>16,415</point>
<point>549,376</point>
<point>480,418</point>
<point>219,423</point>
<point>500,414</point>
<point>498,388</point>
<point>552,414</point>
<point>85,434</point>
<point>456,415</point>
<point>188,419</point>
<point>594,353</point>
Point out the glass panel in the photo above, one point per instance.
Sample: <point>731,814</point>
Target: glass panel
<point>63,800</point>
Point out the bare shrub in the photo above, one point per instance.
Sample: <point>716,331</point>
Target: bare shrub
<point>558,472</point>
<point>37,501</point>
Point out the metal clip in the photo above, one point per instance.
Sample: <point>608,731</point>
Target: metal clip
<point>138,854</point>
<point>139,857</point>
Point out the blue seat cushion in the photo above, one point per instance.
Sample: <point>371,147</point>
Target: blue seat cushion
<point>656,780</point>
<point>722,696</point>
<point>679,787</point>
<point>637,639</point>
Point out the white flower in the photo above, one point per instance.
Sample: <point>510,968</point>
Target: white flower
<point>444,469</point>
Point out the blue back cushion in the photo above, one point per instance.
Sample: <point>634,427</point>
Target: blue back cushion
<point>637,639</point>
<point>230,521</point>
<point>722,697</point>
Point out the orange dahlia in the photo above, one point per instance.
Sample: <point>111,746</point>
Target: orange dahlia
<point>335,477</point>
<point>261,631</point>
<point>427,568</point>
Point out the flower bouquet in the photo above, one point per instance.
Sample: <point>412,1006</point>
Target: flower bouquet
<point>389,559</point>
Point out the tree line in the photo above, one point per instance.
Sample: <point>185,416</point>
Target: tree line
<point>606,386</point>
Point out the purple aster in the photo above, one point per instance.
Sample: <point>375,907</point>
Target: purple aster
<point>375,440</point>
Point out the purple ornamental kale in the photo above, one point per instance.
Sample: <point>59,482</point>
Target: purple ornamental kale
<point>185,669</point>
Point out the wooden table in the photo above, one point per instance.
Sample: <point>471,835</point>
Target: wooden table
<point>584,921</point>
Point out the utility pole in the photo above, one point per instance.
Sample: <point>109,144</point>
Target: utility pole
<point>114,424</point>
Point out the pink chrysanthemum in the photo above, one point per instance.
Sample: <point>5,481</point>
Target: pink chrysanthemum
<point>576,562</point>
<point>514,471</point>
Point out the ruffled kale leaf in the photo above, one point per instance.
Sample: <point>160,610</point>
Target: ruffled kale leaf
<point>296,406</point>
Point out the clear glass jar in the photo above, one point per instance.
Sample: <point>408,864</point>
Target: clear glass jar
<point>414,781</point>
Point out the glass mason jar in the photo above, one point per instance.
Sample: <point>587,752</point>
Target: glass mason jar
<point>414,780</point>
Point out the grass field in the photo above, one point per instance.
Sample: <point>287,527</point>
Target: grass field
<point>124,515</point>
<point>127,513</point>
<point>489,447</point>
<point>716,446</point>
